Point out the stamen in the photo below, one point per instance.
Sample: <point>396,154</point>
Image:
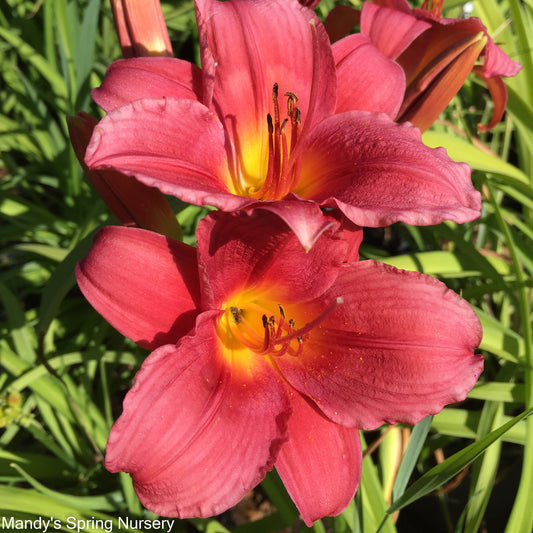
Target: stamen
<point>310,325</point>
<point>293,165</point>
<point>433,6</point>
<point>252,344</point>
<point>292,100</point>
<point>270,177</point>
<point>270,125</point>
<point>279,334</point>
<point>277,133</point>
<point>284,182</point>
<point>296,121</point>
<point>275,91</point>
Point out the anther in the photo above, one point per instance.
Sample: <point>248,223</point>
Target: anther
<point>281,311</point>
<point>292,96</point>
<point>270,124</point>
<point>292,100</point>
<point>236,313</point>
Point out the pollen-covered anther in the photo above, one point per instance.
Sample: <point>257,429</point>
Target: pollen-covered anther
<point>236,313</point>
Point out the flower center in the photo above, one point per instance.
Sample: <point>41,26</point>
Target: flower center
<point>282,169</point>
<point>254,327</point>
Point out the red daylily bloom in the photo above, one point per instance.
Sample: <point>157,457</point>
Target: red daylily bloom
<point>267,355</point>
<point>257,125</point>
<point>141,28</point>
<point>436,54</point>
<point>132,202</point>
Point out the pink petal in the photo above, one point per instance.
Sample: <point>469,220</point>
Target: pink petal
<point>197,432</point>
<point>320,464</point>
<point>352,234</point>
<point>143,284</point>
<point>378,172</point>
<point>131,201</point>
<point>304,218</point>
<point>174,145</point>
<point>398,347</point>
<point>400,5</point>
<point>258,252</point>
<point>498,63</point>
<point>361,71</point>
<point>390,30</point>
<point>498,93</point>
<point>250,46</point>
<point>128,80</point>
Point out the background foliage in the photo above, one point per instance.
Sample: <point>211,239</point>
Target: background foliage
<point>64,370</point>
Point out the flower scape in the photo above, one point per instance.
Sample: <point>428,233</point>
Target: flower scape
<point>272,345</point>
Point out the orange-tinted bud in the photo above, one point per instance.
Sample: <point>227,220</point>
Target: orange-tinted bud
<point>141,28</point>
<point>438,78</point>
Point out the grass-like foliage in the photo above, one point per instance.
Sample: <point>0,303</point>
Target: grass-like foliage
<point>64,370</point>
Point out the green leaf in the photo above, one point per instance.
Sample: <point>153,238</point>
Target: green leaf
<point>498,392</point>
<point>31,56</point>
<point>22,335</point>
<point>484,469</point>
<point>100,503</point>
<point>86,42</point>
<point>416,442</point>
<point>461,150</point>
<point>445,264</point>
<point>68,518</point>
<point>449,468</point>
<point>60,283</point>
<point>371,494</point>
<point>499,339</point>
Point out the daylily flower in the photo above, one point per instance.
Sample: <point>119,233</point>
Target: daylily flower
<point>436,54</point>
<point>257,125</point>
<point>266,355</point>
<point>141,28</point>
<point>132,202</point>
